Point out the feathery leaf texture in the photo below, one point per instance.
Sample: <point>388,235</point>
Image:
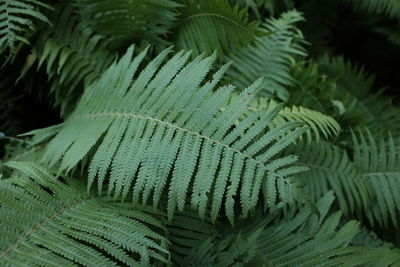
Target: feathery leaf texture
<point>71,54</point>
<point>272,57</point>
<point>128,20</point>
<point>164,127</point>
<point>16,18</point>
<point>48,222</point>
<point>330,168</point>
<point>379,161</point>
<point>206,26</point>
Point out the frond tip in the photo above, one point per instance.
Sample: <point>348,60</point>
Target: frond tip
<point>164,127</point>
<point>49,222</point>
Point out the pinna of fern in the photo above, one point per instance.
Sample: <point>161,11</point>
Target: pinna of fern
<point>164,128</point>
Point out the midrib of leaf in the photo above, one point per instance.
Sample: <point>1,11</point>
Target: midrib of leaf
<point>368,174</point>
<point>219,17</point>
<point>176,127</point>
<point>27,234</point>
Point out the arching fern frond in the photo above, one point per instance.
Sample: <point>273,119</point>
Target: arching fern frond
<point>46,221</point>
<point>72,56</point>
<point>125,21</point>
<point>387,7</point>
<point>271,57</point>
<point>330,168</point>
<point>215,24</point>
<point>16,18</point>
<point>164,128</point>
<point>300,239</point>
<point>379,161</point>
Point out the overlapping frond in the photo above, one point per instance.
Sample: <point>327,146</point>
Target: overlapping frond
<point>299,239</point>
<point>16,18</point>
<point>379,161</point>
<point>319,124</point>
<point>125,21</point>
<point>206,26</point>
<point>330,168</point>
<point>72,56</point>
<point>271,57</point>
<point>47,222</point>
<point>164,127</point>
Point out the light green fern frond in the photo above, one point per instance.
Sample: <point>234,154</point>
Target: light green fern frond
<point>272,57</point>
<point>49,222</point>
<point>387,7</point>
<point>318,123</point>
<point>330,168</point>
<point>72,56</point>
<point>164,127</point>
<point>125,21</point>
<point>211,25</point>
<point>379,161</point>
<point>16,18</point>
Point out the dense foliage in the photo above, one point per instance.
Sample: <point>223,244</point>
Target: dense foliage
<point>199,133</point>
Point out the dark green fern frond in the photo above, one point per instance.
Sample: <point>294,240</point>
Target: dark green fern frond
<point>331,169</point>
<point>272,57</point>
<point>16,18</point>
<point>299,239</point>
<point>386,7</point>
<point>211,25</point>
<point>51,222</point>
<point>379,161</point>
<point>126,21</point>
<point>72,56</point>
<point>164,127</point>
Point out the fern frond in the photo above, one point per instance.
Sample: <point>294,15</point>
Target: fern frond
<point>271,57</point>
<point>46,221</point>
<point>164,127</point>
<point>16,18</point>
<point>386,7</point>
<point>206,26</point>
<point>318,123</point>
<point>330,168</point>
<point>72,56</point>
<point>125,21</point>
<point>379,161</point>
<point>299,239</point>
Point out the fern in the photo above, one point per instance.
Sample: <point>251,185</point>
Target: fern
<point>16,18</point>
<point>386,7</point>
<point>45,221</point>
<point>166,123</point>
<point>330,168</point>
<point>124,21</point>
<point>272,57</point>
<point>72,56</point>
<point>209,25</point>
<point>379,161</point>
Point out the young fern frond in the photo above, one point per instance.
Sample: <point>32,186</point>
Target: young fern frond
<point>16,18</point>
<point>164,128</point>
<point>72,56</point>
<point>206,26</point>
<point>271,57</point>
<point>379,161</point>
<point>125,21</point>
<point>50,221</point>
<point>319,124</point>
<point>330,168</point>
